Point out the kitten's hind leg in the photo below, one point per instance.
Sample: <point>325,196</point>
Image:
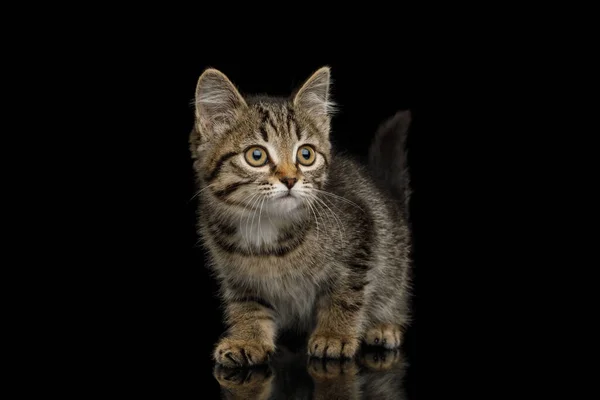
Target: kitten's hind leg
<point>384,335</point>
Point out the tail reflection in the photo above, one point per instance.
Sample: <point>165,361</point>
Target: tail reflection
<point>373,374</point>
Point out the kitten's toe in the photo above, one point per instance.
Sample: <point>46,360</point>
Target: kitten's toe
<point>373,337</point>
<point>325,345</point>
<point>388,336</point>
<point>241,353</point>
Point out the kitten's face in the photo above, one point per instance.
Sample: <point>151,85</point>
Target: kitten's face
<point>263,156</point>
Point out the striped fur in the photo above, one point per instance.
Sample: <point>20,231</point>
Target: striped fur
<point>329,257</point>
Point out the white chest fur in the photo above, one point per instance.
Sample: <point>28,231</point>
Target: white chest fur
<point>256,231</point>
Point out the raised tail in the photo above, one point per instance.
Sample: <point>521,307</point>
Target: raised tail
<point>388,157</point>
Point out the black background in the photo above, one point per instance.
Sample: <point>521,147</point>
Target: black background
<point>121,294</point>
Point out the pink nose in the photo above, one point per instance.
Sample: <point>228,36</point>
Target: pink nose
<point>289,182</point>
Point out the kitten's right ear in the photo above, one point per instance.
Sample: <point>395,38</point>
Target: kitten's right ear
<point>218,103</point>
<point>313,96</point>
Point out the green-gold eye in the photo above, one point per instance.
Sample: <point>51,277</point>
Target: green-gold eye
<point>256,156</point>
<point>306,155</point>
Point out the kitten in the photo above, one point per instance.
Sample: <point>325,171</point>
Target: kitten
<point>299,238</point>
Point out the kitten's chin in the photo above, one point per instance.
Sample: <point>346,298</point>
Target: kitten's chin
<point>284,206</point>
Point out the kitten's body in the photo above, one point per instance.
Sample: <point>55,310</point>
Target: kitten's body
<point>331,259</point>
<point>357,243</point>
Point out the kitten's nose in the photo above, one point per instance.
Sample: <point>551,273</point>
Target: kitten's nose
<point>289,182</point>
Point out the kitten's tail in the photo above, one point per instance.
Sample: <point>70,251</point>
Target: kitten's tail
<point>388,157</point>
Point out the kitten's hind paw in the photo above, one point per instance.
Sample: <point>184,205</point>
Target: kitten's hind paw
<point>388,336</point>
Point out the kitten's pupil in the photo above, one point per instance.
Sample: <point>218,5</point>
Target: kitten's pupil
<point>305,154</point>
<point>256,154</point>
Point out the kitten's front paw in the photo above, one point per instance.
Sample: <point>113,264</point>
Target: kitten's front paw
<point>326,345</point>
<point>388,336</point>
<point>239,352</point>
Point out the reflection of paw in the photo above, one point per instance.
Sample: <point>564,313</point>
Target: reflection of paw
<point>381,360</point>
<point>233,377</point>
<point>325,345</point>
<point>245,383</point>
<point>388,336</point>
<point>238,353</point>
<point>323,370</point>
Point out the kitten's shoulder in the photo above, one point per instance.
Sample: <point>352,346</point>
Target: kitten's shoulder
<point>350,176</point>
<point>346,165</point>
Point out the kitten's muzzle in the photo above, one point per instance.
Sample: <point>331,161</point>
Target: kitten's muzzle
<point>289,182</point>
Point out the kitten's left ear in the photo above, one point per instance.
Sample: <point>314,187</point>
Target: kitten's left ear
<point>218,103</point>
<point>313,96</point>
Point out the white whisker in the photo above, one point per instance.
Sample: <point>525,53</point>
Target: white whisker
<point>323,208</point>
<point>252,197</point>
<point>259,214</point>
<point>326,193</point>
<point>333,214</point>
<point>201,190</point>
<point>247,232</point>
<point>311,209</point>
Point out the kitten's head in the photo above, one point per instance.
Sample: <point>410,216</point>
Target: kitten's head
<point>262,152</point>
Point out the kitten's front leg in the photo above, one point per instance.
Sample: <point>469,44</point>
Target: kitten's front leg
<point>337,332</point>
<point>251,335</point>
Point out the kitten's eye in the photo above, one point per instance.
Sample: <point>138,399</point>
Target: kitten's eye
<point>306,155</point>
<point>256,156</point>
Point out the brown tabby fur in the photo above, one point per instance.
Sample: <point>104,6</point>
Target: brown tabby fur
<point>330,259</point>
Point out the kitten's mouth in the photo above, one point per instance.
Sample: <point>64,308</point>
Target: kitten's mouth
<point>285,196</point>
<point>288,201</point>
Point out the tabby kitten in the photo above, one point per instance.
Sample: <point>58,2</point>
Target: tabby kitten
<point>299,238</point>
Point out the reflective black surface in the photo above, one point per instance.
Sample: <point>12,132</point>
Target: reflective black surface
<point>374,374</point>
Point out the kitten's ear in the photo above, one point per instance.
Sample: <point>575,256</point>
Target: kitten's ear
<point>313,96</point>
<point>218,103</point>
